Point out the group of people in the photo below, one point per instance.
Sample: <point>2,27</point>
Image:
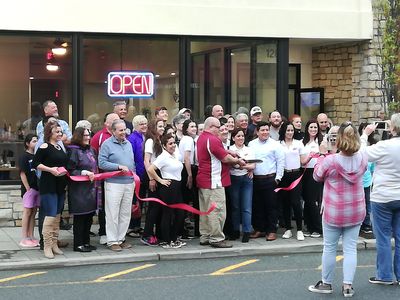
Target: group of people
<point>256,173</point>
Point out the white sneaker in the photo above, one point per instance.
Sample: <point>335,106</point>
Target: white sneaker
<point>315,235</point>
<point>103,240</point>
<point>300,236</point>
<point>287,235</point>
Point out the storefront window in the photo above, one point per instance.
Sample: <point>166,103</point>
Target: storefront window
<point>266,76</point>
<point>237,73</point>
<point>30,74</point>
<point>240,78</point>
<point>101,56</point>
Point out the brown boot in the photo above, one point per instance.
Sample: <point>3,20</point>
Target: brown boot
<point>48,236</point>
<point>55,232</point>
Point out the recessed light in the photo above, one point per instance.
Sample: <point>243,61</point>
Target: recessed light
<point>31,77</point>
<point>157,75</point>
<point>173,73</point>
<point>52,68</point>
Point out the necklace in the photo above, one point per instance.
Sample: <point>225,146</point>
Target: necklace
<point>58,147</point>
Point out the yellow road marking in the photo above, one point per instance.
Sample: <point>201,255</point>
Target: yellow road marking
<point>21,276</point>
<point>338,258</point>
<point>233,267</point>
<point>166,277</point>
<point>103,278</point>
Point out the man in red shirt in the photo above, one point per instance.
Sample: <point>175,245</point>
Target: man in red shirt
<point>95,143</point>
<point>103,134</point>
<point>212,178</point>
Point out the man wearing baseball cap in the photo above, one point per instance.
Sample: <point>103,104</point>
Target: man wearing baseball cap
<point>186,112</point>
<point>255,116</point>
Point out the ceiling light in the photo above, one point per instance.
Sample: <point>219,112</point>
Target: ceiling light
<point>157,75</point>
<point>60,47</point>
<point>173,73</point>
<point>52,68</point>
<point>51,64</point>
<point>31,77</point>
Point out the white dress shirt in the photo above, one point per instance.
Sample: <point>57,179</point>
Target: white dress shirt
<point>272,155</point>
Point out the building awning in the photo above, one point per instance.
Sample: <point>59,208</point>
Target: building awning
<point>320,19</point>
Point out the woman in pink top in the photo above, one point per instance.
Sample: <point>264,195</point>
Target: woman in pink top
<point>343,207</point>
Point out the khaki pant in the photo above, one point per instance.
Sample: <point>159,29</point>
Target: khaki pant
<point>118,204</point>
<point>211,226</point>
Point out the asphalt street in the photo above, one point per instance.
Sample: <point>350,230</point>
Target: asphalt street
<point>259,277</point>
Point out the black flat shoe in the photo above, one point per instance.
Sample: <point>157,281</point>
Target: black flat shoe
<point>82,249</point>
<point>91,247</point>
<point>246,237</point>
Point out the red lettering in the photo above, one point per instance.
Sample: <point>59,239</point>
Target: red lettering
<point>113,84</point>
<point>130,84</point>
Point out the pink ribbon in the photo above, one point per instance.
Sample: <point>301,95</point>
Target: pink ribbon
<point>297,181</point>
<point>106,175</point>
<point>291,186</point>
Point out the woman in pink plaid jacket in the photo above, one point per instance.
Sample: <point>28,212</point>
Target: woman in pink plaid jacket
<point>343,206</point>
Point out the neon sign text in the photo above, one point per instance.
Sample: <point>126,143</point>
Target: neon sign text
<point>134,84</point>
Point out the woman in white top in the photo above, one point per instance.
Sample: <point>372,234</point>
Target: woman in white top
<point>170,190</point>
<point>241,189</point>
<point>385,201</point>
<point>312,190</point>
<point>152,149</point>
<point>187,150</point>
<point>294,151</point>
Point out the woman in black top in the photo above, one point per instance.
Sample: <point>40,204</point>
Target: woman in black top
<point>49,157</point>
<point>82,194</point>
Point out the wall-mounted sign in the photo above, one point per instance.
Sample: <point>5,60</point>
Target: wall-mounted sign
<point>133,84</point>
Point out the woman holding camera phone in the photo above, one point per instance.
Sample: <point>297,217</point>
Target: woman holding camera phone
<point>385,201</point>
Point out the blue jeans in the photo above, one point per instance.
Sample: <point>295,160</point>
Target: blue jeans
<point>349,242</point>
<point>386,223</point>
<point>52,204</point>
<point>241,195</point>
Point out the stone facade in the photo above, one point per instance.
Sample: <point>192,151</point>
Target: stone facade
<point>349,74</point>
<point>10,205</point>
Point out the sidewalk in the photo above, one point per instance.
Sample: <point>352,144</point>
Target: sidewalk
<point>12,256</point>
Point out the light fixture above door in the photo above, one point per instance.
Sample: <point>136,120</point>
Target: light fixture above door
<point>51,64</point>
<point>60,47</point>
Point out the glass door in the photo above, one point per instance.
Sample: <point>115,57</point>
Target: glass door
<point>240,69</point>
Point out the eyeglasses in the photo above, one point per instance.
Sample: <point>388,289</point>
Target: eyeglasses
<point>215,126</point>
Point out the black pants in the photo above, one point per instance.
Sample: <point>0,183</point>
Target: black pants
<point>291,200</point>
<point>102,213</point>
<point>136,223</point>
<point>228,226</point>
<point>40,225</point>
<point>171,219</point>
<point>154,210</point>
<point>191,195</point>
<point>264,205</point>
<point>312,192</point>
<point>81,229</point>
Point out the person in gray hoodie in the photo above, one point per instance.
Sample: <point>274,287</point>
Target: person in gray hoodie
<point>116,155</point>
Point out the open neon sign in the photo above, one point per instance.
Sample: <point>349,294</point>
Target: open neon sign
<point>133,84</point>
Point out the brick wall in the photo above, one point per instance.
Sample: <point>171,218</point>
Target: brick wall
<point>349,73</point>
<point>10,205</point>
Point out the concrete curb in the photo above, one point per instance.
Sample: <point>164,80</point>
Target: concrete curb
<point>183,253</point>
